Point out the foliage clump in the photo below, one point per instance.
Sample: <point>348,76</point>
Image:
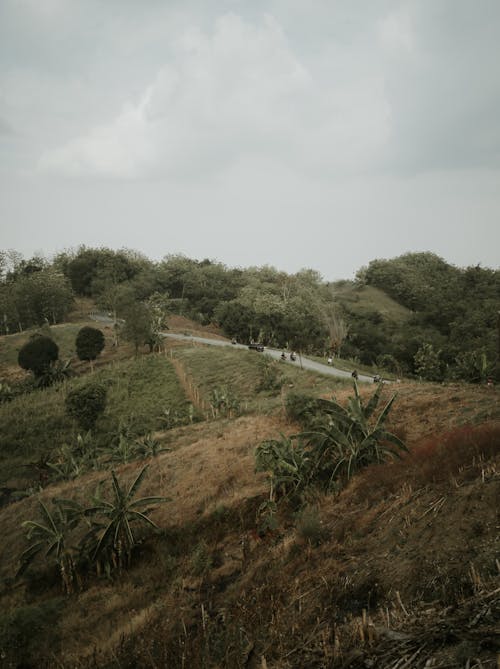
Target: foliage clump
<point>336,442</point>
<point>224,402</point>
<point>108,539</point>
<point>89,343</point>
<point>38,354</point>
<point>86,404</point>
<point>271,376</point>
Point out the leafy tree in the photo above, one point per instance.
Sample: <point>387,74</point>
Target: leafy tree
<point>89,344</point>
<point>86,403</point>
<point>35,298</point>
<point>236,319</point>
<point>428,363</point>
<point>473,366</point>
<point>38,354</point>
<point>138,328</point>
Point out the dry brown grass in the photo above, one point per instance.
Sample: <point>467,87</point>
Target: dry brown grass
<point>397,535</point>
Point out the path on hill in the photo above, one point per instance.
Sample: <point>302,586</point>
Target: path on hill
<point>273,353</point>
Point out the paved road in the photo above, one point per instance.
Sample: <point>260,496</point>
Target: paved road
<point>272,352</point>
<point>276,354</point>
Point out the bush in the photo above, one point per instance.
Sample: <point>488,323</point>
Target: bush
<point>271,377</point>
<point>38,354</point>
<point>86,404</point>
<point>462,453</point>
<point>89,343</point>
<point>301,408</point>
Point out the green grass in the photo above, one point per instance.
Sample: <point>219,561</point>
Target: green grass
<point>63,335</point>
<point>365,299</point>
<point>35,424</point>
<point>211,367</point>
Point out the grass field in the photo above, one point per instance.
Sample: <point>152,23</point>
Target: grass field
<point>365,299</point>
<point>140,391</point>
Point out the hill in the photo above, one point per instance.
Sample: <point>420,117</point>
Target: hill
<point>364,300</point>
<point>397,568</point>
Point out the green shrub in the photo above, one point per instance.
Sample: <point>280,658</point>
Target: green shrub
<point>301,408</point>
<point>38,354</point>
<point>224,402</point>
<point>288,462</point>
<point>271,377</point>
<point>89,343</point>
<point>86,404</point>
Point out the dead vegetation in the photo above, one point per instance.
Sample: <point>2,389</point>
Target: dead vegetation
<point>401,570</point>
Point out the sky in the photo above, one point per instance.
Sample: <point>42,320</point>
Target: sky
<point>314,134</point>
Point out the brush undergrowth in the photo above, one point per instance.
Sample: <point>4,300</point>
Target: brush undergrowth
<point>456,456</point>
<point>36,425</point>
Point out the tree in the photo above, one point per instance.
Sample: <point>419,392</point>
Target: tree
<point>336,326</point>
<point>137,328</point>
<point>89,344</point>
<point>86,404</point>
<point>428,364</point>
<point>38,354</point>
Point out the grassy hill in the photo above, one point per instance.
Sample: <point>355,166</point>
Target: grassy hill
<point>363,300</point>
<point>400,568</point>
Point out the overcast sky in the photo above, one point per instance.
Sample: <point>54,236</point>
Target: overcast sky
<point>295,133</point>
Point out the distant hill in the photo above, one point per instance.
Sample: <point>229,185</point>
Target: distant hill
<point>363,300</point>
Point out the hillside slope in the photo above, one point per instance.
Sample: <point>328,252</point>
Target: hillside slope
<point>401,569</point>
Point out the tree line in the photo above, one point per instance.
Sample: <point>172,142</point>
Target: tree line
<point>452,330</point>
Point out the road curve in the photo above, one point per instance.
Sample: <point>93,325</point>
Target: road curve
<point>276,354</point>
<point>312,365</point>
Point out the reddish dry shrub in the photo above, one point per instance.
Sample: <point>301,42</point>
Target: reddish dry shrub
<point>461,452</point>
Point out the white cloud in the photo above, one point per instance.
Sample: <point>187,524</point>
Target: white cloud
<point>237,91</point>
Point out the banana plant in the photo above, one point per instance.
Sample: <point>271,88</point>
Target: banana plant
<point>345,440</point>
<point>111,537</point>
<point>287,461</point>
<point>148,446</point>
<point>51,537</point>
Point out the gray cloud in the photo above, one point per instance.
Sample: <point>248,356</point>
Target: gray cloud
<point>339,131</point>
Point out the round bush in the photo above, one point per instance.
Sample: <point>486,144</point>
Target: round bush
<point>86,404</point>
<point>89,343</point>
<point>38,354</point>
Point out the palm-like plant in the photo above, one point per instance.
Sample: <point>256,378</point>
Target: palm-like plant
<point>148,446</point>
<point>345,440</point>
<point>112,541</point>
<point>288,462</point>
<point>50,536</point>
